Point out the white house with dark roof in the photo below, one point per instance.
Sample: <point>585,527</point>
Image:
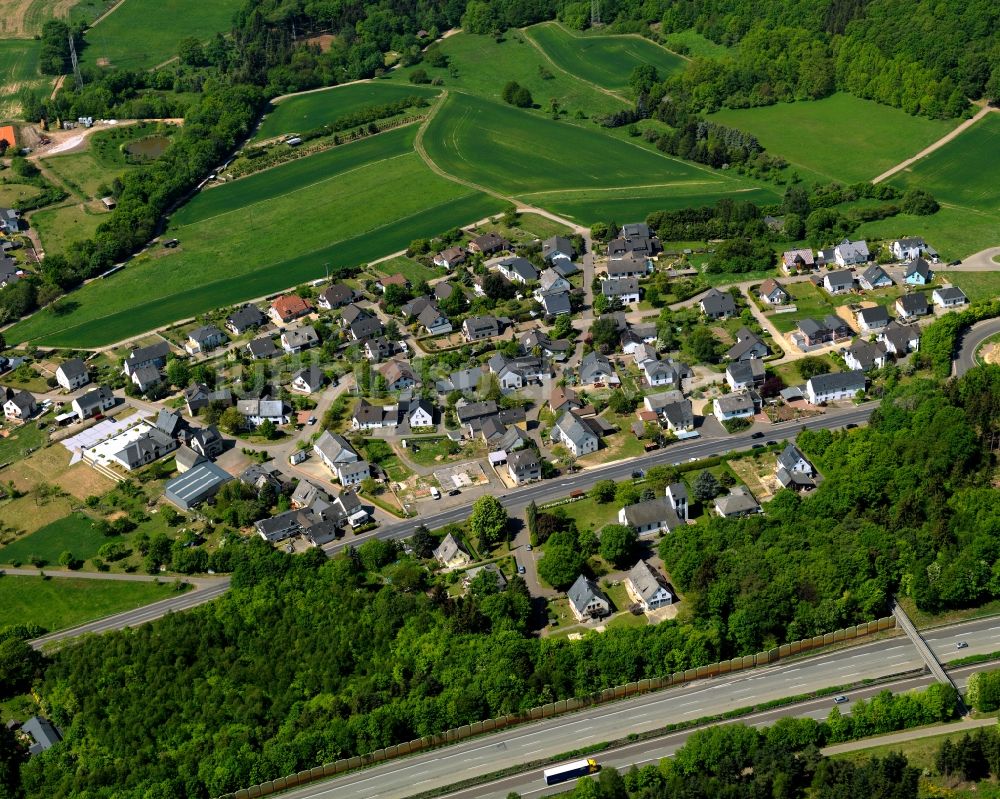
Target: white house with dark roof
<point>450,555</point>
<point>651,516</point>
<point>909,249</point>
<point>203,339</point>
<point>558,248</point>
<point>587,601</point>
<point>341,459</point>
<point>296,339</point>
<point>739,502</point>
<point>308,380</point>
<point>257,411</point>
<point>72,374</point>
<point>146,377</point>
<point>21,405</point>
<point>518,270</point>
<point>900,340</point>
<point>556,304</point>
<point>835,386</point>
<point>718,304</point>
<point>154,355</point>
<point>745,374</point>
<point>647,587</point>
<point>911,306</point>
<point>478,328</point>
<point>93,402</point>
<point>865,355</point>
<point>949,297</point>
<point>595,368</point>
<point>850,253</point>
<point>625,289</point>
<point>733,406</point>
<point>243,319</point>
<point>524,466</point>
<point>839,281</point>
<point>575,435</point>
<point>450,258</point>
<point>433,321</point>
<point>871,320</point>
<point>748,346</point>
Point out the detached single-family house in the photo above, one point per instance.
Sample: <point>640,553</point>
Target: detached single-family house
<point>341,459</point>
<point>256,411</point>
<point>524,466</point>
<point>154,355</point>
<point>772,292</point>
<point>664,373</point>
<point>243,319</point>
<point>150,446</point>
<point>433,321</point>
<point>72,374</point>
<point>298,339</point>
<point>840,281</point>
<point>748,346</point>
<point>365,327</point>
<point>398,375</point>
<point>335,296</point>
<point>733,406</point>
<point>872,319</point>
<point>206,441</point>
<point>628,264</point>
<point>556,304</point>
<point>450,258</point>
<point>586,600</point>
<point>910,306</point>
<point>651,516</point>
<point>450,555</point>
<point>262,348</point>
<point>518,270</point>
<point>577,437</point>
<point>489,244</point>
<point>472,415</point>
<point>595,368</point>
<point>835,386</point>
<point>678,416</point>
<point>909,249</point>
<point>20,405</point>
<point>625,289</point>
<point>10,220</point>
<point>309,380</point>
<point>417,413</point>
<point>865,355</point>
<point>874,277</point>
<point>745,374</point>
<point>146,377</point>
<point>563,399</point>
<point>478,328</point>
<point>95,401</point>
<point>373,417</point>
<point>949,297</point>
<point>647,587</point>
<point>793,470</point>
<point>392,280</point>
<point>558,248</point>
<point>289,308</point>
<point>42,733</point>
<point>793,261</point>
<point>203,339</point>
<point>900,340</point>
<point>377,349</point>
<point>551,282</point>
<point>739,502</point>
<point>718,304</point>
<point>918,273</point>
<point>850,253</point>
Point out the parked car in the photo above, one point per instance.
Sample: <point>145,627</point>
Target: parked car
<point>454,492</point>
<point>529,547</point>
<point>520,569</point>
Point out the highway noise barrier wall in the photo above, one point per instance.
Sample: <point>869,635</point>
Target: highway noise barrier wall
<point>563,706</point>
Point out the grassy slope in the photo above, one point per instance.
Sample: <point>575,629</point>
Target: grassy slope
<point>837,138</point>
<point>260,234</point>
<point>163,24</point>
<point>73,533</point>
<point>18,68</point>
<point>307,111</point>
<point>58,603</point>
<point>604,60</point>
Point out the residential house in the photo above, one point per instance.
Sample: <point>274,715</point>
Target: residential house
<point>839,329</point>
<point>556,304</point>
<point>748,346</point>
<point>10,221</point>
<point>72,374</point>
<point>813,333</point>
<point>297,339</point>
<point>256,411</point>
<point>850,253</point>
<point>94,402</point>
<point>909,249</point>
<point>524,466</point>
<point>289,308</point>
<point>564,268</point>
<point>398,375</point>
<point>478,328</point>
<point>872,319</point>
<point>489,244</point>
<point>537,341</point>
<point>335,296</point>
<point>739,502</point>
<point>308,380</point>
<point>733,406</point>
<point>463,380</point>
<point>578,437</point>
<point>586,600</point>
<point>558,248</point>
<point>793,470</point>
<point>20,405</point>
<point>678,416</point>
<point>664,373</point>
<point>635,230</point>
<point>306,493</point>
<point>373,417</point>
<point>471,415</point>
<point>203,339</point>
<point>341,459</point>
<point>624,289</point>
<point>262,348</point>
<point>377,349</point>
<point>794,261</point>
<point>595,368</point>
<point>657,402</point>
<point>551,282</point>
<point>874,277</point>
<point>206,441</point>
<point>186,459</point>
<point>489,568</point>
<point>900,340</point>
<point>718,304</point>
<point>41,732</point>
<point>840,281</point>
<point>562,399</point>
<point>351,314</point>
<point>651,516</point>
<point>918,273</point>
<point>246,318</point>
<point>647,587</point>
<point>518,270</point>
<point>365,327</point>
<point>10,272</point>
<point>745,374</point>
<point>148,447</point>
<point>450,258</point>
<point>450,555</point>
<point>772,292</point>
<point>678,496</point>
<point>949,297</point>
<point>865,355</point>
<point>515,373</point>
<point>258,477</point>
<point>198,396</point>
<point>392,280</point>
<point>154,355</point>
<point>146,377</point>
<point>433,321</point>
<point>628,264</point>
<point>836,386</point>
<point>417,413</point>
<point>826,257</point>
<point>443,290</point>
<point>910,306</point>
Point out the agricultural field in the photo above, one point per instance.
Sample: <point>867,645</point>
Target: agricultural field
<point>164,23</point>
<point>61,225</point>
<point>23,19</point>
<point>58,603</point>
<point>839,138</point>
<point>258,235</point>
<point>18,70</point>
<point>606,61</point>
<point>308,111</point>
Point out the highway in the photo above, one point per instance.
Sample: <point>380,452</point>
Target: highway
<point>483,755</point>
<point>971,341</point>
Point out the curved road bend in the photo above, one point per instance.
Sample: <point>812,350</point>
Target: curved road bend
<point>971,341</point>
<point>486,754</point>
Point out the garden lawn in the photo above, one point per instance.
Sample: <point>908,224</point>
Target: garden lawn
<point>414,271</point>
<point>264,233</point>
<point>840,137</point>
<point>60,226</point>
<point>604,60</point>
<point>309,111</point>
<point>58,603</point>
<point>74,533</point>
<point>589,514</point>
<point>164,23</point>
<point>12,195</point>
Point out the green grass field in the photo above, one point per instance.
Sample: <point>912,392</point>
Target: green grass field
<point>18,69</point>
<point>113,41</point>
<point>256,236</point>
<point>953,232</point>
<point>839,137</point>
<point>13,194</point>
<point>73,533</point>
<point>408,268</point>
<point>88,171</point>
<point>696,44</point>
<point>978,286</point>
<point>308,111</point>
<point>604,60</point>
<point>59,226</point>
<point>58,603</point>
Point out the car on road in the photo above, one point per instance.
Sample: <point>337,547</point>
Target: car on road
<point>638,474</point>
<point>757,446</point>
<point>758,434</point>
<point>529,547</point>
<point>956,262</point>
<point>454,492</point>
<point>520,569</point>
<point>962,645</point>
<point>839,700</point>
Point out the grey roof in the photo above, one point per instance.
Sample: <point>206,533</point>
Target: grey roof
<point>467,379</point>
<point>24,401</point>
<point>312,375</point>
<point>73,368</point>
<point>337,294</point>
<point>565,268</point>
<point>620,286</point>
<point>573,429</point>
<point>866,353</point>
<point>366,327</point>
<point>635,230</point>
<point>899,337</point>
<point>875,274</point>
<point>521,267</point>
<point>300,336</point>
<point>790,456</point>
<point>261,407</point>
<point>594,364</point>
<point>738,502</point>
<point>336,449</point>
<point>812,328</point>
<point>716,302</point>
<point>915,303</point>
<point>838,381</point>
<point>525,460</point>
<point>158,351</point>
<point>584,591</point>
<point>481,324</point>
<point>367,414</point>
<point>415,306</point>
<point>850,249</point>
<point>170,422</point>
<point>263,347</point>
<point>306,493</point>
<point>557,244</point>
<point>94,398</point>
<point>646,580</point>
<point>476,410</point>
<point>557,303</point>
<point>735,403</point>
<point>745,346</point>
<point>918,266</point>
<point>840,277</point>
<point>147,375</point>
<point>951,293</point>
<point>205,333</point>
<point>186,457</point>
<point>679,414</point>
<point>836,324</point>
<point>352,313</point>
<point>653,511</point>
<point>914,241</point>
<point>443,290</point>
<point>431,315</point>
<point>447,549</point>
<point>246,317</point>
<point>874,316</point>
<point>492,428</point>
<point>43,732</point>
<point>515,438</point>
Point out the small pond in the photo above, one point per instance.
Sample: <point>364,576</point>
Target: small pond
<point>147,149</point>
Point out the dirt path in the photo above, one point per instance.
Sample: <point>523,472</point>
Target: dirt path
<point>107,13</point>
<point>56,86</point>
<point>936,145</point>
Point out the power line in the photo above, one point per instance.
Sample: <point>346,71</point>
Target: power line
<point>76,63</point>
